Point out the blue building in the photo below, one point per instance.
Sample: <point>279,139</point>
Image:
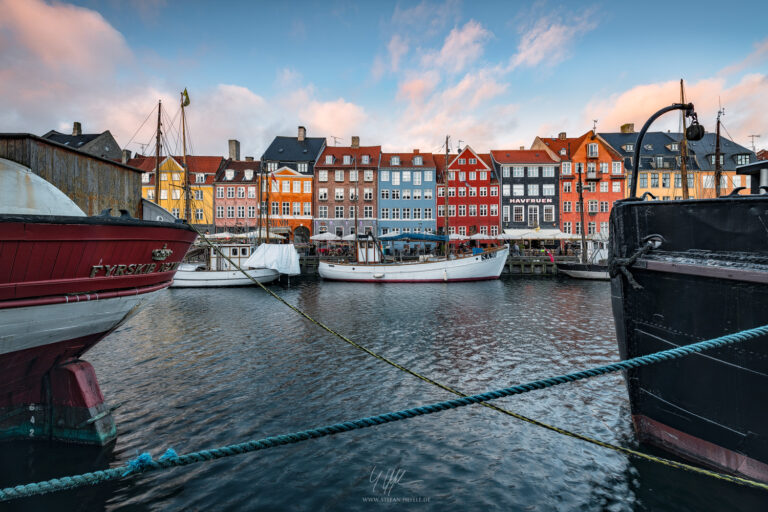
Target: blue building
<point>406,191</point>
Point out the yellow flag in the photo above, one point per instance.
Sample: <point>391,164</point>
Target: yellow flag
<point>184,98</point>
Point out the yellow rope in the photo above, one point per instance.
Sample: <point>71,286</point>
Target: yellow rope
<point>627,451</point>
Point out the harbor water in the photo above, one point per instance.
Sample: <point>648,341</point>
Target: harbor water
<point>197,369</point>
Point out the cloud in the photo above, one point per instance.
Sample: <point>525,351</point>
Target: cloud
<point>425,19</point>
<point>461,47</point>
<point>759,55</point>
<point>339,117</point>
<point>548,41</point>
<point>745,103</point>
<point>397,48</point>
<point>418,87</point>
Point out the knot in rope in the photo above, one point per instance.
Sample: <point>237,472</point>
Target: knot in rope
<point>616,265</point>
<point>140,464</point>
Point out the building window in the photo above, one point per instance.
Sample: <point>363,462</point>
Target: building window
<point>271,166</point>
<point>151,194</point>
<point>505,171</point>
<point>251,192</point>
<point>339,212</point>
<point>145,177</point>
<point>548,171</point>
<point>578,228</point>
<point>604,206</point>
<point>567,227</point>
<point>395,193</point>
<point>176,176</point>
<point>385,193</point>
<point>548,189</point>
<point>406,176</point>
<point>742,159</point>
<point>365,159</point>
<point>286,209</point>
<point>176,194</point>
<point>275,186</point>
<point>322,212</point>
<point>603,227</point>
<point>322,194</point>
<point>394,160</point>
<point>654,179</point>
<point>533,189</point>
<point>406,213</point>
<point>230,192</point>
<point>322,175</point>
<point>339,175</point>
<point>296,209</point>
<point>518,172</point>
<point>198,195</point>
<point>240,192</point>
<point>199,178</point>
<point>642,182</point>
<point>384,176</point>
<point>175,212</point>
<point>328,159</point>
<point>385,213</point>
<point>566,168</point>
<point>251,212</point>
<point>604,167</point>
<point>230,212</point>
<point>590,228</point>
<point>533,172</point>
<point>241,212</point>
<point>566,206</point>
<point>339,194</point>
<point>616,168</point>
<point>368,194</point>
<point>472,192</point>
<point>462,192</point>
<point>428,193</point>
<point>220,192</point>
<point>592,206</point>
<point>303,167</point>
<point>352,195</point>
<point>505,190</point>
<point>566,187</point>
<point>368,212</point>
<point>427,176</point>
<point>518,189</point>
<point>417,178</point>
<point>163,176</point>
<point>462,161</point>
<point>629,148</point>
<point>494,210</point>
<point>592,150</point>
<point>533,216</point>
<point>462,210</point>
<point>406,193</point>
<point>451,192</point>
<point>395,177</point>
<point>483,192</point>
<point>219,212</point>
<point>549,213</point>
<point>417,194</point>
<point>396,213</point>
<point>308,209</point>
<point>603,186</point>
<point>428,213</point>
<point>616,186</point>
<point>275,208</point>
<point>665,180</point>
<point>505,213</point>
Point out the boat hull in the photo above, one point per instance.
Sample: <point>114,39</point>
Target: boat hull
<point>473,268</point>
<point>708,278</point>
<point>66,283</point>
<point>219,278</point>
<point>584,271</point>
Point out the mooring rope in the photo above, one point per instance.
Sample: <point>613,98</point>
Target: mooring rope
<point>145,463</point>
<point>620,449</point>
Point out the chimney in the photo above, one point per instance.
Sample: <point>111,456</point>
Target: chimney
<point>77,129</point>
<point>126,155</point>
<point>249,159</point>
<point>355,141</point>
<point>302,133</point>
<point>561,135</point>
<point>522,148</point>
<point>628,128</point>
<point>415,151</point>
<point>234,149</point>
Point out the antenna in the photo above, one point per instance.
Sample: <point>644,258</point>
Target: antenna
<point>753,137</point>
<point>336,139</point>
<point>458,147</point>
<point>594,125</point>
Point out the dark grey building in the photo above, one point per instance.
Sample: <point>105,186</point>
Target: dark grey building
<point>101,144</point>
<point>299,153</point>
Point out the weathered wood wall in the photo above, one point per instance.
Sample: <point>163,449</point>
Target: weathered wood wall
<point>93,183</point>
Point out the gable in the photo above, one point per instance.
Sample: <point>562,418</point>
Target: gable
<point>467,153</point>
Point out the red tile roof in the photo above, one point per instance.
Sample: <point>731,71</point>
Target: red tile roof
<point>338,152</point>
<point>521,156</point>
<point>406,159</point>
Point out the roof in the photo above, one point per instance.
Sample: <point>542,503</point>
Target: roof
<point>521,156</point>
<point>762,154</point>
<point>655,144</point>
<point>568,144</point>
<point>73,141</point>
<point>706,146</point>
<point>289,149</point>
<point>338,153</point>
<point>239,166</point>
<point>440,163</point>
<point>208,165</point>
<point>406,160</point>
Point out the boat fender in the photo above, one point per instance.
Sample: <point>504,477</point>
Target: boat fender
<point>445,275</point>
<point>378,276</point>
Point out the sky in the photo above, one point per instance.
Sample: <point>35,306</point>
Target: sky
<point>403,75</point>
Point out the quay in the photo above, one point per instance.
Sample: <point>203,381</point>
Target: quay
<point>515,265</point>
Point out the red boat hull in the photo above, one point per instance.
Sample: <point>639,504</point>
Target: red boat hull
<point>66,283</point>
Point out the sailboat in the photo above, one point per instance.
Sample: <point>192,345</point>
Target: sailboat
<point>369,264</point>
<point>213,264</point>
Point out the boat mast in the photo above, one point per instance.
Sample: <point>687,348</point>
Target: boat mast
<point>157,153</point>
<point>357,205</point>
<point>718,169</point>
<point>445,190</point>
<point>684,149</point>
<point>187,187</point>
<point>580,186</point>
<point>260,183</point>
<point>269,205</point>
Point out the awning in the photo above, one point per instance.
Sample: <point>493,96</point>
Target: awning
<point>535,234</point>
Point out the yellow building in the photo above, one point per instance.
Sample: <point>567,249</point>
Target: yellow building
<point>202,171</point>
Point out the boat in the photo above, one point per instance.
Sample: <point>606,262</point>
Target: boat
<point>67,280</point>
<point>370,265</point>
<point>220,264</point>
<point>684,271</point>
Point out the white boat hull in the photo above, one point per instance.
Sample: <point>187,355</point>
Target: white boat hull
<point>219,278</point>
<point>584,271</point>
<point>472,268</point>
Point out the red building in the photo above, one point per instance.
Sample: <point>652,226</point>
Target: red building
<point>588,159</point>
<point>473,194</point>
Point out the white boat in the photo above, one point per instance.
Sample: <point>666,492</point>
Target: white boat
<point>594,268</point>
<point>215,271</point>
<point>429,269</point>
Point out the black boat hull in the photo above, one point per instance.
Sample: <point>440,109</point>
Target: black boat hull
<point>707,278</point>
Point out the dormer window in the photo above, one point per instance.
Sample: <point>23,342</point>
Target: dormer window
<point>366,159</point>
<point>328,159</point>
<point>562,151</point>
<point>649,147</point>
<point>592,150</point>
<point>673,146</point>
<point>395,160</point>
<point>249,174</point>
<point>347,159</point>
<point>229,174</point>
<point>742,159</point>
<point>417,160</point>
<point>629,147</point>
<point>199,178</point>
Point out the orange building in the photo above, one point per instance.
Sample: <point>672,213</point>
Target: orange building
<point>289,196</point>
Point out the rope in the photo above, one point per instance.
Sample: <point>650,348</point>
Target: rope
<point>145,463</point>
<point>553,428</point>
<point>617,265</point>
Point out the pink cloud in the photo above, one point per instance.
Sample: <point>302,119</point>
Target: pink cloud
<point>418,88</point>
<point>548,41</point>
<point>461,47</point>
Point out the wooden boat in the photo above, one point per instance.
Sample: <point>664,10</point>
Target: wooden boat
<point>206,268</point>
<point>370,267</point>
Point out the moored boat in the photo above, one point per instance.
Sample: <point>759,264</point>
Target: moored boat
<point>214,270</point>
<point>584,270</point>
<point>681,272</point>
<point>370,267</point>
<point>66,281</point>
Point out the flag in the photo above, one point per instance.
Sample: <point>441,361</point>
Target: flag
<point>184,98</point>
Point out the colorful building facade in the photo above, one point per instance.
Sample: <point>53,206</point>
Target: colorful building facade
<point>236,196</point>
<point>288,195</point>
<point>406,190</point>
<point>345,181</point>
<point>472,194</point>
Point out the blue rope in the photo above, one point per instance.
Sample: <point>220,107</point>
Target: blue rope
<point>145,462</point>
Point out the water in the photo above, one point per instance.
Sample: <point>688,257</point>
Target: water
<point>198,369</point>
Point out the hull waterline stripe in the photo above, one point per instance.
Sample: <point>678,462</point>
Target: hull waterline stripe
<point>145,462</point>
